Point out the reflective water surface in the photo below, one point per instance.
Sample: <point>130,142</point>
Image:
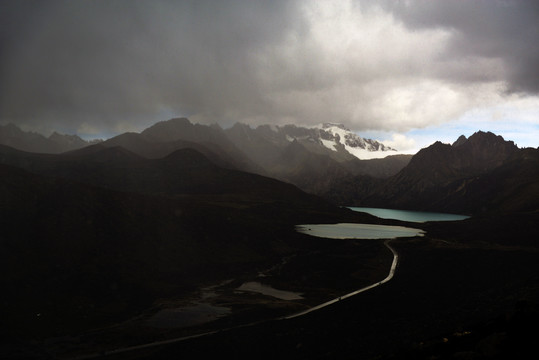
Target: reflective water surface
<point>255,286</point>
<point>358,231</point>
<point>187,316</point>
<point>407,215</point>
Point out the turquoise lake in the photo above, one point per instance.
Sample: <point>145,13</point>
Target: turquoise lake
<point>407,215</point>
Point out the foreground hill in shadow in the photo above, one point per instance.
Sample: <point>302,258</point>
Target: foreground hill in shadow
<point>94,238</point>
<point>468,289</point>
<point>182,172</point>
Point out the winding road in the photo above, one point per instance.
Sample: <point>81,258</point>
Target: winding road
<point>302,313</point>
<point>388,277</point>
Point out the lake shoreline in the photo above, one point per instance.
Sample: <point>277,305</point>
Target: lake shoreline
<point>409,215</point>
<point>352,327</point>
<point>423,260</point>
<point>433,287</point>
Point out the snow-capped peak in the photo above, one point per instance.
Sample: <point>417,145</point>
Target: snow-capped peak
<point>330,125</point>
<point>335,135</point>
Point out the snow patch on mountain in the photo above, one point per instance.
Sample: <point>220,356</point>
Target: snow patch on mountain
<point>332,139</point>
<point>333,135</point>
<point>329,144</point>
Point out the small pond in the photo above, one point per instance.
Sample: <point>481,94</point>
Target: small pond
<point>358,231</point>
<point>187,316</point>
<point>254,286</point>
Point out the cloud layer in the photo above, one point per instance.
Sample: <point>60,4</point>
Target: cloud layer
<point>105,67</point>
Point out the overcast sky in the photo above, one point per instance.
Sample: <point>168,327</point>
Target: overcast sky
<point>407,72</point>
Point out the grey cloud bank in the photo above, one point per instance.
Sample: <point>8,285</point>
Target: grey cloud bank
<point>103,67</point>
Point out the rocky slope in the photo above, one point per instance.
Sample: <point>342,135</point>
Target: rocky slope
<point>480,174</point>
<point>334,140</point>
<point>314,158</point>
<point>311,158</point>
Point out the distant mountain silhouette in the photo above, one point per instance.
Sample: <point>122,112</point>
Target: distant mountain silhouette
<point>313,158</point>
<point>472,175</point>
<point>13,136</point>
<point>263,150</point>
<point>166,133</point>
<point>310,171</point>
<point>480,174</point>
<point>334,140</point>
<point>138,144</point>
<point>260,144</point>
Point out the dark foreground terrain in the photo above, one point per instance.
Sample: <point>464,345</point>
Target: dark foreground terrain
<point>85,262</point>
<point>467,290</point>
<point>459,296</point>
<point>94,244</point>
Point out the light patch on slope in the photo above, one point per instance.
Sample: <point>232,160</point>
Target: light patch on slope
<point>329,144</point>
<point>338,131</point>
<point>364,154</point>
<point>273,127</point>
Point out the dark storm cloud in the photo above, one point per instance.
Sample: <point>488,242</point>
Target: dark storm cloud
<point>109,62</point>
<point>112,66</point>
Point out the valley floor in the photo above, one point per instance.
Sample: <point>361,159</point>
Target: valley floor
<point>450,296</point>
<point>448,299</point>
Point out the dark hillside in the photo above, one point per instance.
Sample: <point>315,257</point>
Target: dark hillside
<point>76,256</point>
<point>182,172</point>
<point>258,145</point>
<point>309,171</point>
<point>481,174</point>
<point>464,295</point>
<point>140,145</point>
<point>208,136</point>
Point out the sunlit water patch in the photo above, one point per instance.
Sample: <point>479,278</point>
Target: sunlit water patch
<point>187,316</point>
<point>254,286</point>
<point>407,215</point>
<point>358,231</point>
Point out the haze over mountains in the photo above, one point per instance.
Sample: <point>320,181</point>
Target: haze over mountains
<point>95,235</point>
<point>12,136</point>
<point>306,157</point>
<point>343,143</point>
<point>473,175</point>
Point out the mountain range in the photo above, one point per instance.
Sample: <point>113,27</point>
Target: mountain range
<point>312,158</point>
<point>473,175</point>
<point>482,173</point>
<point>307,157</point>
<point>100,234</point>
<point>13,136</point>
